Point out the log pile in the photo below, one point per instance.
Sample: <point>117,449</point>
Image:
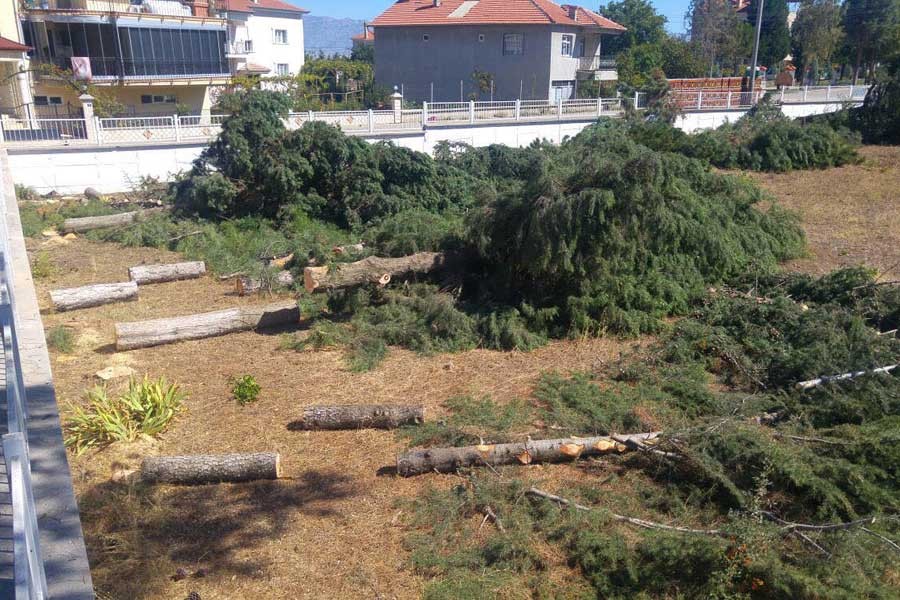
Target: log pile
<point>156,332</point>
<point>216,468</point>
<point>375,270</point>
<point>82,224</point>
<point>93,295</point>
<point>145,274</point>
<point>358,417</point>
<point>448,460</point>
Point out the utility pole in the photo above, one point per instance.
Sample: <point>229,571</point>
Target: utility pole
<point>759,13</point>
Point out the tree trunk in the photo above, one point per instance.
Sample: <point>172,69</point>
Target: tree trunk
<point>447,460</point>
<point>370,270</point>
<point>144,334</point>
<point>145,274</point>
<point>248,285</point>
<point>216,468</point>
<point>93,295</point>
<point>359,417</point>
<point>83,224</point>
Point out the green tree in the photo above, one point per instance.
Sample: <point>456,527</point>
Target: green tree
<point>722,37</point>
<point>775,39</point>
<point>645,25</point>
<point>816,35</point>
<point>873,32</point>
<point>363,53</point>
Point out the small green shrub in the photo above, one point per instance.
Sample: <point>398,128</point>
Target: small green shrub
<point>26,193</point>
<point>245,389</point>
<point>42,266</point>
<point>147,407</point>
<point>61,339</point>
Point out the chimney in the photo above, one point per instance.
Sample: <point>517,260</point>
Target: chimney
<point>436,3</point>
<point>573,11</point>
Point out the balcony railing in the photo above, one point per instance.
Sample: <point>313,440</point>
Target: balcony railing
<point>148,7</point>
<point>239,48</point>
<point>596,63</point>
<point>109,68</point>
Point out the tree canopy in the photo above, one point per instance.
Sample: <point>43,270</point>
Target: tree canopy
<point>775,38</point>
<point>645,25</point>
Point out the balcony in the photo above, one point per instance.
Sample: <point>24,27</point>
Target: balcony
<point>111,70</point>
<point>172,8</point>
<point>601,68</point>
<point>239,49</point>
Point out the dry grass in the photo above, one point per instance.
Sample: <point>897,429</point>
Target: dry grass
<point>335,526</point>
<point>851,214</point>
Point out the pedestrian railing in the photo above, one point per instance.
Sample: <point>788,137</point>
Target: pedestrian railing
<point>30,578</point>
<point>179,128</point>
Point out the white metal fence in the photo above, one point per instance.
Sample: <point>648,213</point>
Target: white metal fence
<point>169,129</point>
<point>30,578</point>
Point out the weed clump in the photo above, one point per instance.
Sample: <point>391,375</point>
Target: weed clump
<point>147,407</point>
<point>61,339</point>
<point>245,389</point>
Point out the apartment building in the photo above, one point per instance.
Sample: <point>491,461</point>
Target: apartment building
<point>443,50</point>
<point>265,37</point>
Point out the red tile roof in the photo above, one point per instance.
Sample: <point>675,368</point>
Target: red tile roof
<point>368,36</point>
<point>7,45</point>
<point>490,12</point>
<point>249,5</point>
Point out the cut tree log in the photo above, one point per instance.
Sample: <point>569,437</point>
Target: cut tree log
<point>144,274</point>
<point>214,468</point>
<point>156,332</point>
<point>349,249</point>
<point>447,460</point>
<point>249,285</point>
<point>358,417</point>
<point>93,295</point>
<point>370,270</point>
<point>83,224</point>
<point>808,385</point>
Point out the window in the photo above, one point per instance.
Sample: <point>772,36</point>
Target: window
<point>282,69</point>
<point>55,100</point>
<point>426,37</point>
<point>248,45</point>
<point>480,37</point>
<point>568,44</point>
<point>151,99</point>
<point>48,101</point>
<point>280,36</point>
<point>512,44</point>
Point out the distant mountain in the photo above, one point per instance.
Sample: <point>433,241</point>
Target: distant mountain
<point>330,35</point>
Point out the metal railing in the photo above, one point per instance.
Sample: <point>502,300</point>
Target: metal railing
<point>173,128</point>
<point>30,578</point>
<point>147,7</point>
<point>596,63</point>
<point>736,99</point>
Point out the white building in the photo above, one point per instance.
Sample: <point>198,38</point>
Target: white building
<point>265,37</point>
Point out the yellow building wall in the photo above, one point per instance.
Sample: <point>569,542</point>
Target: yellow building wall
<point>9,25</point>
<point>194,99</point>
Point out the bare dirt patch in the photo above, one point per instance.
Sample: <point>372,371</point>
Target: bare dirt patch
<point>851,214</point>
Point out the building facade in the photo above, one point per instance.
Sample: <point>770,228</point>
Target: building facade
<point>456,50</point>
<point>265,37</point>
<point>153,56</point>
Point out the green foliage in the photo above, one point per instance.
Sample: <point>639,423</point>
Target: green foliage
<point>878,120</point>
<point>412,231</point>
<point>147,407</point>
<point>644,25</point>
<point>37,217</point>
<point>470,420</point>
<point>763,140</point>
<point>61,339</point>
<point>257,167</point>
<point>42,266</point>
<point>245,389</point>
<point>614,236</point>
<point>25,193</point>
<point>775,38</point>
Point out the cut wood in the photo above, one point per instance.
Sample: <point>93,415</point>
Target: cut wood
<point>447,460</point>
<point>349,249</point>
<point>808,385</point>
<point>144,274</point>
<point>93,295</point>
<point>156,332</point>
<point>370,270</point>
<point>249,285</point>
<point>83,224</point>
<point>213,468</point>
<point>359,417</point>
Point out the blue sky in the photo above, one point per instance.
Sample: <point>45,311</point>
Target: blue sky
<point>367,9</point>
